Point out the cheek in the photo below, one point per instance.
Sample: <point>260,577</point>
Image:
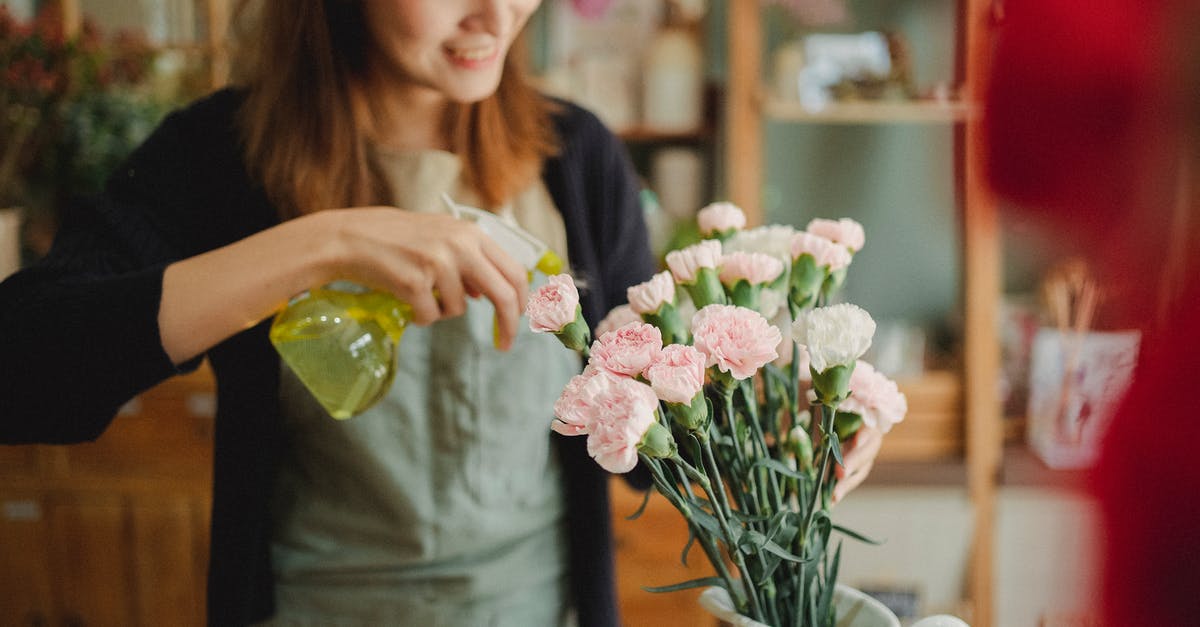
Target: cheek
<point>398,24</point>
<point>523,9</point>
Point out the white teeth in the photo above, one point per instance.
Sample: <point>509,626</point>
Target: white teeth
<point>473,54</point>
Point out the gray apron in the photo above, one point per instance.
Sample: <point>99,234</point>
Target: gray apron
<point>442,505</point>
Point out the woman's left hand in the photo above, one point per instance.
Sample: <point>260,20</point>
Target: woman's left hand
<point>859,455</point>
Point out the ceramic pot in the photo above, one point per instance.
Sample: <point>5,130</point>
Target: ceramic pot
<point>854,609</point>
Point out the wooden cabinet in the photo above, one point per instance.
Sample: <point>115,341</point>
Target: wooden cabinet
<point>966,394</point>
<point>112,532</point>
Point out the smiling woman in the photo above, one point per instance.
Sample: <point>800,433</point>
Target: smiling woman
<point>449,502</point>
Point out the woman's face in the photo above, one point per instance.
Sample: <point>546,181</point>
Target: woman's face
<point>452,47</point>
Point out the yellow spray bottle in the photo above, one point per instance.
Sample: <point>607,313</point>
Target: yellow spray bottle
<point>341,339</point>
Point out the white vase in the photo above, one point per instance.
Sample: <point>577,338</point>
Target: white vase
<point>854,609</point>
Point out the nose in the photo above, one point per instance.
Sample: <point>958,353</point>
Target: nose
<point>487,16</point>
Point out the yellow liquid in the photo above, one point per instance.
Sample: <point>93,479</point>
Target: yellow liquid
<point>342,345</point>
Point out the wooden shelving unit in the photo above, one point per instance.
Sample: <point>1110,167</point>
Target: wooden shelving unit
<point>977,463</point>
<point>867,112</point>
<point>214,46</point>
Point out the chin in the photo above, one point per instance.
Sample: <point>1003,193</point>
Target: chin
<point>470,96</point>
<point>472,91</point>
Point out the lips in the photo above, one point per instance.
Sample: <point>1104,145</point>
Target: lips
<point>472,55</point>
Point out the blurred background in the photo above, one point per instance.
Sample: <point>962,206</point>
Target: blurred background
<point>1008,344</point>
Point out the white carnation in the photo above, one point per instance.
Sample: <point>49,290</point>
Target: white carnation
<point>835,336</point>
<point>774,240</point>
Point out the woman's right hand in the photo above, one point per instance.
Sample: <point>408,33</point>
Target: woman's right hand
<point>434,262</point>
<point>431,261</point>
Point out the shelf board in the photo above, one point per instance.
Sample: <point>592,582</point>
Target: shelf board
<point>1024,469</point>
<point>932,473</point>
<point>868,112</point>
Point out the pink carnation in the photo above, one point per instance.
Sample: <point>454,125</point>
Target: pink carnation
<point>720,216</point>
<point>624,413</point>
<point>617,318</point>
<point>874,397</point>
<point>648,297</point>
<point>678,375</point>
<point>686,263</point>
<point>825,251</point>
<point>575,408</point>
<point>754,268</point>
<point>846,232</point>
<point>553,305</point>
<point>628,350</point>
<point>735,339</point>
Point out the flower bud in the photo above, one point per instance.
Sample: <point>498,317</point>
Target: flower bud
<point>802,448</point>
<point>692,417</point>
<point>806,281</point>
<point>846,424</point>
<point>658,442</point>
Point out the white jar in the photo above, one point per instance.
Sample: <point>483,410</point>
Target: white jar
<point>673,83</point>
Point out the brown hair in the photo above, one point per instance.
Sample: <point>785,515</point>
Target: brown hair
<point>303,63</point>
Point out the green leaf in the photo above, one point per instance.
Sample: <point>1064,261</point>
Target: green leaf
<point>687,547</point>
<point>641,508</point>
<point>755,540</point>
<point>778,467</point>
<point>835,446</point>
<point>855,535</point>
<point>702,582</point>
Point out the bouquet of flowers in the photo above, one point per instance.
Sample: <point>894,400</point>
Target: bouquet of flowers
<point>735,382</point>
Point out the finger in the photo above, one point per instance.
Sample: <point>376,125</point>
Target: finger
<point>862,449</point>
<point>450,291</point>
<point>501,280</point>
<point>514,274</point>
<point>488,281</point>
<point>425,308</point>
<point>853,480</point>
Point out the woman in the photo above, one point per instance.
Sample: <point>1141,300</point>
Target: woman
<point>449,503</point>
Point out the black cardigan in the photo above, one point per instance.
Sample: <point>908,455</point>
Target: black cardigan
<point>80,329</point>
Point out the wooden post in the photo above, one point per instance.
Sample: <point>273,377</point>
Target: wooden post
<point>981,293</point>
<point>218,48</point>
<point>744,141</point>
<point>72,17</point>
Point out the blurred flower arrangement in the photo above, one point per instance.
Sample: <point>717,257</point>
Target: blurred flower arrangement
<point>733,379</point>
<point>71,107</point>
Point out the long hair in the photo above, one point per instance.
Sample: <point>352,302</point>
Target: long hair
<point>304,120</point>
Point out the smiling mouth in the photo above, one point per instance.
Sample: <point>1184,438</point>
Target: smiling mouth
<point>473,55</point>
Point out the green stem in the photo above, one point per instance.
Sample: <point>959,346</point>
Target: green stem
<point>771,486</point>
<point>715,489</point>
<point>706,542</point>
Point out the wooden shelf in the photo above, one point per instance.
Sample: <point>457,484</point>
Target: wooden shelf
<point>868,112</point>
<point>950,472</point>
<point>1023,469</point>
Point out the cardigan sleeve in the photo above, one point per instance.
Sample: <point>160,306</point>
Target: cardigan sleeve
<point>80,327</point>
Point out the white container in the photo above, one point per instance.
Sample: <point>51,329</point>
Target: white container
<point>1076,382</point>
<point>677,174</point>
<point>673,83</point>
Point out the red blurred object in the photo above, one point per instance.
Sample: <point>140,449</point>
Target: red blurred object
<point>1147,483</point>
<point>1076,90</point>
<point>1091,116</point>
